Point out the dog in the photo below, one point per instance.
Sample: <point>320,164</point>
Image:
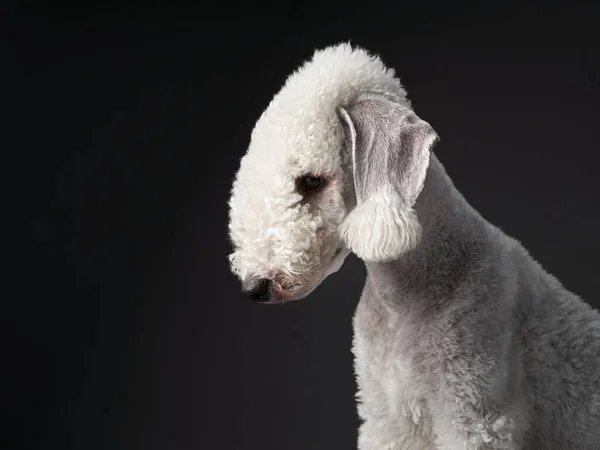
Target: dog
<point>461,339</point>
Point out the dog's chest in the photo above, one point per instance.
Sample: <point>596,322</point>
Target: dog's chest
<point>384,360</point>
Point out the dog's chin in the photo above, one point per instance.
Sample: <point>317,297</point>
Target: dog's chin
<point>280,297</point>
<point>335,264</point>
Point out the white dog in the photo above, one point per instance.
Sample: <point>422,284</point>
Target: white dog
<point>461,339</point>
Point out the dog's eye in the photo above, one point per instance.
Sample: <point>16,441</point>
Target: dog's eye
<point>310,183</point>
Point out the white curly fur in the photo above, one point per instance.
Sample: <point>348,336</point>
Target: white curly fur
<point>461,339</point>
<point>378,229</point>
<point>300,133</point>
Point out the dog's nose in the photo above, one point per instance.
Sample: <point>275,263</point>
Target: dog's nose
<point>257,289</point>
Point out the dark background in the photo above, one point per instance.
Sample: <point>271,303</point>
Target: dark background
<point>126,122</point>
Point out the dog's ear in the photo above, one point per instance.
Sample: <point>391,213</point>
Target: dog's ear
<point>390,155</point>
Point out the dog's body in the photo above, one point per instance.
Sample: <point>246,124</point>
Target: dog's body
<point>468,339</point>
<point>461,339</point>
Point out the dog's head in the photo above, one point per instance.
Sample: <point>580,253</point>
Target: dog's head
<point>335,164</point>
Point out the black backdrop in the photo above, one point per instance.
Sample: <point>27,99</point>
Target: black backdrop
<point>126,122</point>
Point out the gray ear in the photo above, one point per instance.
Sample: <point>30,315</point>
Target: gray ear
<point>390,154</point>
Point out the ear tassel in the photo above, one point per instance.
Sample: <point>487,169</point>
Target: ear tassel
<point>379,229</point>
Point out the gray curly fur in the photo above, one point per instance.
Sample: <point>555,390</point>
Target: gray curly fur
<point>491,347</point>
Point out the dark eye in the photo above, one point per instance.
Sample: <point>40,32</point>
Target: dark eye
<point>310,183</point>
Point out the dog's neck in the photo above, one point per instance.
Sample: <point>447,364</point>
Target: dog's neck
<point>453,236</point>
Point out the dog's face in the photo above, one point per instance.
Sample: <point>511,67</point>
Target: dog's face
<point>326,173</point>
<point>288,201</point>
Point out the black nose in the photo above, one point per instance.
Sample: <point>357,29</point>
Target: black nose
<point>257,289</point>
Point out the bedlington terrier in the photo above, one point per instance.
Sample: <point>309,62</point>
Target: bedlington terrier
<point>461,339</point>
